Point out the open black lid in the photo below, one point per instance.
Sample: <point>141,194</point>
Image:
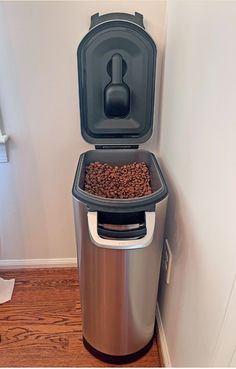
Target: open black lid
<point>116,69</point>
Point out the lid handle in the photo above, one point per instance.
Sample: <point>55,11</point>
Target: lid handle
<point>121,244</point>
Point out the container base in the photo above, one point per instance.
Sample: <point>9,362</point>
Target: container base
<point>118,359</point>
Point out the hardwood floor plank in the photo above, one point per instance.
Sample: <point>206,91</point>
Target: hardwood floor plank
<point>41,326</point>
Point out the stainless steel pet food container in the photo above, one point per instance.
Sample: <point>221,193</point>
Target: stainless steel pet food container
<point>119,241</point>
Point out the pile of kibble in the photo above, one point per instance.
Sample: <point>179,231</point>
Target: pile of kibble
<point>118,182</point>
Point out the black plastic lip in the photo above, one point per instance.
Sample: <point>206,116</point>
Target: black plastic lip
<point>114,359</point>
<point>97,203</point>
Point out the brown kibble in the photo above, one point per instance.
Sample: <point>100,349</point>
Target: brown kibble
<point>122,182</point>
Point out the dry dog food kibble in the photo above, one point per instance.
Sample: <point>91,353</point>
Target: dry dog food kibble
<point>123,182</point>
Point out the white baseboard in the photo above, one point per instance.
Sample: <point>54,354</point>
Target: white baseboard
<point>162,338</point>
<point>38,263</point>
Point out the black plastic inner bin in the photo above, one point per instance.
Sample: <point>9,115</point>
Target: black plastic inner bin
<point>120,157</point>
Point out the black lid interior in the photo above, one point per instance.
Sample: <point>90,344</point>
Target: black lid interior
<point>116,68</point>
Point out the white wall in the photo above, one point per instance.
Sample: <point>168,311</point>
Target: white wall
<point>198,151</point>
<point>39,104</point>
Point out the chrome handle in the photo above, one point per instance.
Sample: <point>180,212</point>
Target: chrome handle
<point>121,244</point>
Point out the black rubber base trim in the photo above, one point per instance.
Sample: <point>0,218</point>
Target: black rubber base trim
<point>112,359</point>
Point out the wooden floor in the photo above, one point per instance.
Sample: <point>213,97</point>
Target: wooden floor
<point>41,325</point>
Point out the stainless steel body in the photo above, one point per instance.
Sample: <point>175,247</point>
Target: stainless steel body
<point>118,283</point>
<point>119,241</point>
